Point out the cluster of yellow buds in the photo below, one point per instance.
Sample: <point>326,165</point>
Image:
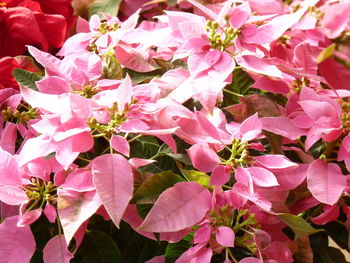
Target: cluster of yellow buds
<point>345,116</point>
<point>220,40</point>
<point>105,27</point>
<point>12,115</point>
<point>40,192</point>
<point>239,153</point>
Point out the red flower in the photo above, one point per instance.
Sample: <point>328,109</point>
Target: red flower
<point>39,23</point>
<point>7,65</point>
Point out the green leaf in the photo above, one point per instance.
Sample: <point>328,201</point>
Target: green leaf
<point>26,78</point>
<point>241,83</point>
<point>175,250</point>
<point>326,53</point>
<point>137,77</point>
<point>143,210</point>
<point>196,176</point>
<point>299,226</point>
<point>110,7</point>
<point>150,190</point>
<point>144,147</point>
<point>99,247</point>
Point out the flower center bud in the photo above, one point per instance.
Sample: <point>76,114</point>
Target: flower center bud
<point>220,38</point>
<point>40,192</point>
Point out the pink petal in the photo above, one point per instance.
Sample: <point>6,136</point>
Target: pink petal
<point>325,181</point>
<point>202,234</point>
<point>207,126</point>
<point>69,149</point>
<point>282,126</point>
<point>240,15</point>
<point>251,260</point>
<point>56,251</point>
<point>80,180</point>
<point>8,138</point>
<point>275,162</point>
<point>250,128</point>
<point>50,213</point>
<point>124,93</point>
<point>29,217</point>
<point>261,66</point>
<point>120,144</point>
<point>290,179</point>
<point>177,208</point>
<point>275,28</point>
<point>17,243</point>
<point>220,175</point>
<point>157,259</point>
<point>74,208</point>
<point>114,183</point>
<point>203,157</point>
<point>137,59</point>
<point>331,213</point>
<point>138,162</point>
<point>225,236</point>
<point>12,195</point>
<point>318,109</point>
<point>9,174</point>
<point>90,64</point>
<point>262,177</point>
<point>53,85</point>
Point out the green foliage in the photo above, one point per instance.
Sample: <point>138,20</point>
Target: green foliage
<point>325,53</point>
<point>110,7</point>
<point>144,147</point>
<point>97,246</point>
<point>153,186</point>
<point>175,250</point>
<point>26,78</point>
<point>196,176</point>
<point>241,83</point>
<point>300,227</point>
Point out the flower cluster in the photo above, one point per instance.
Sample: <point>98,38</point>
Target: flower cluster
<point>223,126</point>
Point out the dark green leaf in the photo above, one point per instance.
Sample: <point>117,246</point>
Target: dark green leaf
<point>143,209</point>
<point>144,147</point>
<point>241,83</point>
<point>150,190</point>
<point>175,250</point>
<point>26,78</point>
<point>110,7</point>
<point>99,247</point>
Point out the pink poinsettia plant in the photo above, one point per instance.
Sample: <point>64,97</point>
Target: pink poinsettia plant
<point>178,131</point>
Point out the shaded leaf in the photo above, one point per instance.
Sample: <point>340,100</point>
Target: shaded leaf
<point>150,190</point>
<point>99,247</point>
<point>175,250</point>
